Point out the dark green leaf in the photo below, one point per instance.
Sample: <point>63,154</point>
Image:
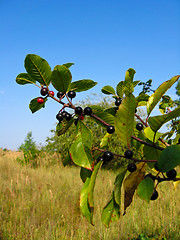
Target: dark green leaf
<point>85,173</point>
<point>135,83</point>
<point>157,122</point>
<point>68,65</point>
<point>61,78</point>
<point>124,119</point>
<point>145,189</point>
<point>111,110</point>
<point>169,158</point>
<point>118,185</point>
<point>66,160</point>
<point>111,212</point>
<point>63,126</point>
<point>107,117</point>
<point>160,91</point>
<point>108,90</point>
<point>82,85</point>
<point>38,69</point>
<point>24,78</point>
<point>35,106</point>
<point>80,150</point>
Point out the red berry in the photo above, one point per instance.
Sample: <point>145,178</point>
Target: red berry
<point>40,100</point>
<point>51,93</point>
<point>81,117</point>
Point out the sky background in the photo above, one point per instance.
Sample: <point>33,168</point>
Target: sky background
<point>103,38</point>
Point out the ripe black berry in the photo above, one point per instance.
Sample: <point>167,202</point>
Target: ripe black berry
<point>110,129</point>
<point>64,113</point>
<point>78,110</point>
<point>68,116</point>
<point>156,167</point>
<point>44,91</point>
<point>87,111</point>
<point>139,126</point>
<point>154,196</point>
<point>71,94</point>
<point>59,117</point>
<point>171,174</point>
<point>128,154</point>
<point>107,156</point>
<point>40,100</point>
<point>60,94</point>
<point>99,159</point>
<point>131,167</point>
<point>118,101</point>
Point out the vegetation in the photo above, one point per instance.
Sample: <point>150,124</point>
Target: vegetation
<point>43,203</point>
<point>155,156</point>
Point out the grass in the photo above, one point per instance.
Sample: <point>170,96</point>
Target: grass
<point>43,203</point>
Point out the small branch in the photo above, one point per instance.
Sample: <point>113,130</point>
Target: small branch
<point>145,124</point>
<point>148,144</point>
<point>100,120</point>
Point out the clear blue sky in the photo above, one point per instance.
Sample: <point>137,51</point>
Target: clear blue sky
<point>103,38</point>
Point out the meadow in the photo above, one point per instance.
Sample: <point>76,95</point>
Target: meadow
<point>43,203</point>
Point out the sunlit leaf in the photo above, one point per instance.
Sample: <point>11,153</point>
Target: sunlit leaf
<point>128,83</point>
<point>145,189</point>
<point>68,65</point>
<point>108,90</point>
<point>82,85</point>
<point>120,88</point>
<point>24,78</point>
<point>152,136</point>
<point>107,117</point>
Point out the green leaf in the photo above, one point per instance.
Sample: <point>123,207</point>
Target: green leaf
<point>68,65</point>
<point>84,204</point>
<point>160,91</point>
<point>85,173</point>
<point>105,140</point>
<point>24,78</point>
<point>145,189</point>
<point>152,136</point>
<point>169,158</point>
<point>82,85</point>
<point>124,119</point>
<point>111,212</point>
<point>80,150</point>
<point>118,185</point>
<point>63,126</point>
<point>107,117</point>
<point>61,78</point>
<point>120,88</point>
<point>129,86</point>
<point>92,185</point>
<point>35,106</point>
<point>108,90</point>
<point>111,110</point>
<point>157,122</point>
<point>38,69</point>
<point>142,99</point>
<point>135,83</point>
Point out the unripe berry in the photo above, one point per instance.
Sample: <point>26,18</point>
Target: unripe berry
<point>139,126</point>
<point>118,101</point>
<point>128,154</point>
<point>110,129</point>
<point>59,117</point>
<point>71,94</point>
<point>154,196</point>
<point>107,156</point>
<point>131,167</point>
<point>40,100</point>
<point>44,91</point>
<point>51,93</point>
<point>60,94</point>
<point>171,174</point>
<point>87,111</point>
<point>78,110</point>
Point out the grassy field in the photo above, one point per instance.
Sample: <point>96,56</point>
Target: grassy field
<point>43,203</point>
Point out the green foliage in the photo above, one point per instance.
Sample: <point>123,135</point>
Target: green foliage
<point>88,138</point>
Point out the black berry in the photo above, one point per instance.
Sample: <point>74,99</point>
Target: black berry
<point>156,167</point>
<point>44,91</point>
<point>128,154</point>
<point>107,156</point>
<point>110,129</point>
<point>171,174</point>
<point>60,94</point>
<point>118,101</point>
<point>131,167</point>
<point>139,126</point>
<point>40,100</point>
<point>68,116</point>
<point>59,117</point>
<point>76,121</point>
<point>71,94</point>
<point>154,196</point>
<point>64,113</point>
<point>99,159</point>
<point>78,110</point>
<point>87,111</point>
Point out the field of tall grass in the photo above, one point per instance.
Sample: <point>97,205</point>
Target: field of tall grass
<point>43,203</point>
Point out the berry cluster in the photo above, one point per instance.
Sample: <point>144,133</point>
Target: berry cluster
<point>44,92</point>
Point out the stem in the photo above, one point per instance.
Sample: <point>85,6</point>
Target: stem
<point>148,144</point>
<point>145,124</point>
<point>100,120</point>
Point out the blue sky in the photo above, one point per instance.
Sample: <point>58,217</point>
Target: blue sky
<point>103,39</point>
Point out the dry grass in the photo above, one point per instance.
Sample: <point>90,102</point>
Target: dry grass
<point>43,203</point>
